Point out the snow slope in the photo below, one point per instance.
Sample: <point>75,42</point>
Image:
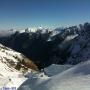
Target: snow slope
<point>11,68</point>
<point>9,77</point>
<point>75,78</point>
<point>56,69</point>
<point>80,50</point>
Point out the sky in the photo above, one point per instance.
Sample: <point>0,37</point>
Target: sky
<point>45,13</point>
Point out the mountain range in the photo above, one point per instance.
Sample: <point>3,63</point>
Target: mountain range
<point>46,59</point>
<point>45,47</point>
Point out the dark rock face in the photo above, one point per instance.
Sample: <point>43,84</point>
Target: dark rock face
<point>33,45</point>
<point>42,51</point>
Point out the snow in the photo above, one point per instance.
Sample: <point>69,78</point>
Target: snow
<point>54,77</point>
<point>9,76</point>
<point>70,37</point>
<point>32,29</point>
<point>80,50</point>
<point>56,69</point>
<point>74,78</point>
<point>54,33</point>
<point>7,54</point>
<point>33,82</point>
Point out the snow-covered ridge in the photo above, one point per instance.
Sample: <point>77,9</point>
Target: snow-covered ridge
<point>9,76</point>
<point>15,59</point>
<point>13,66</point>
<point>74,78</point>
<point>80,50</point>
<point>33,29</point>
<point>76,41</point>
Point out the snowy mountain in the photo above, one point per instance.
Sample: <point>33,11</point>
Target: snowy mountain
<point>13,66</point>
<point>31,30</point>
<point>80,48</point>
<point>69,48</point>
<point>45,46</point>
<point>73,47</point>
<point>74,78</point>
